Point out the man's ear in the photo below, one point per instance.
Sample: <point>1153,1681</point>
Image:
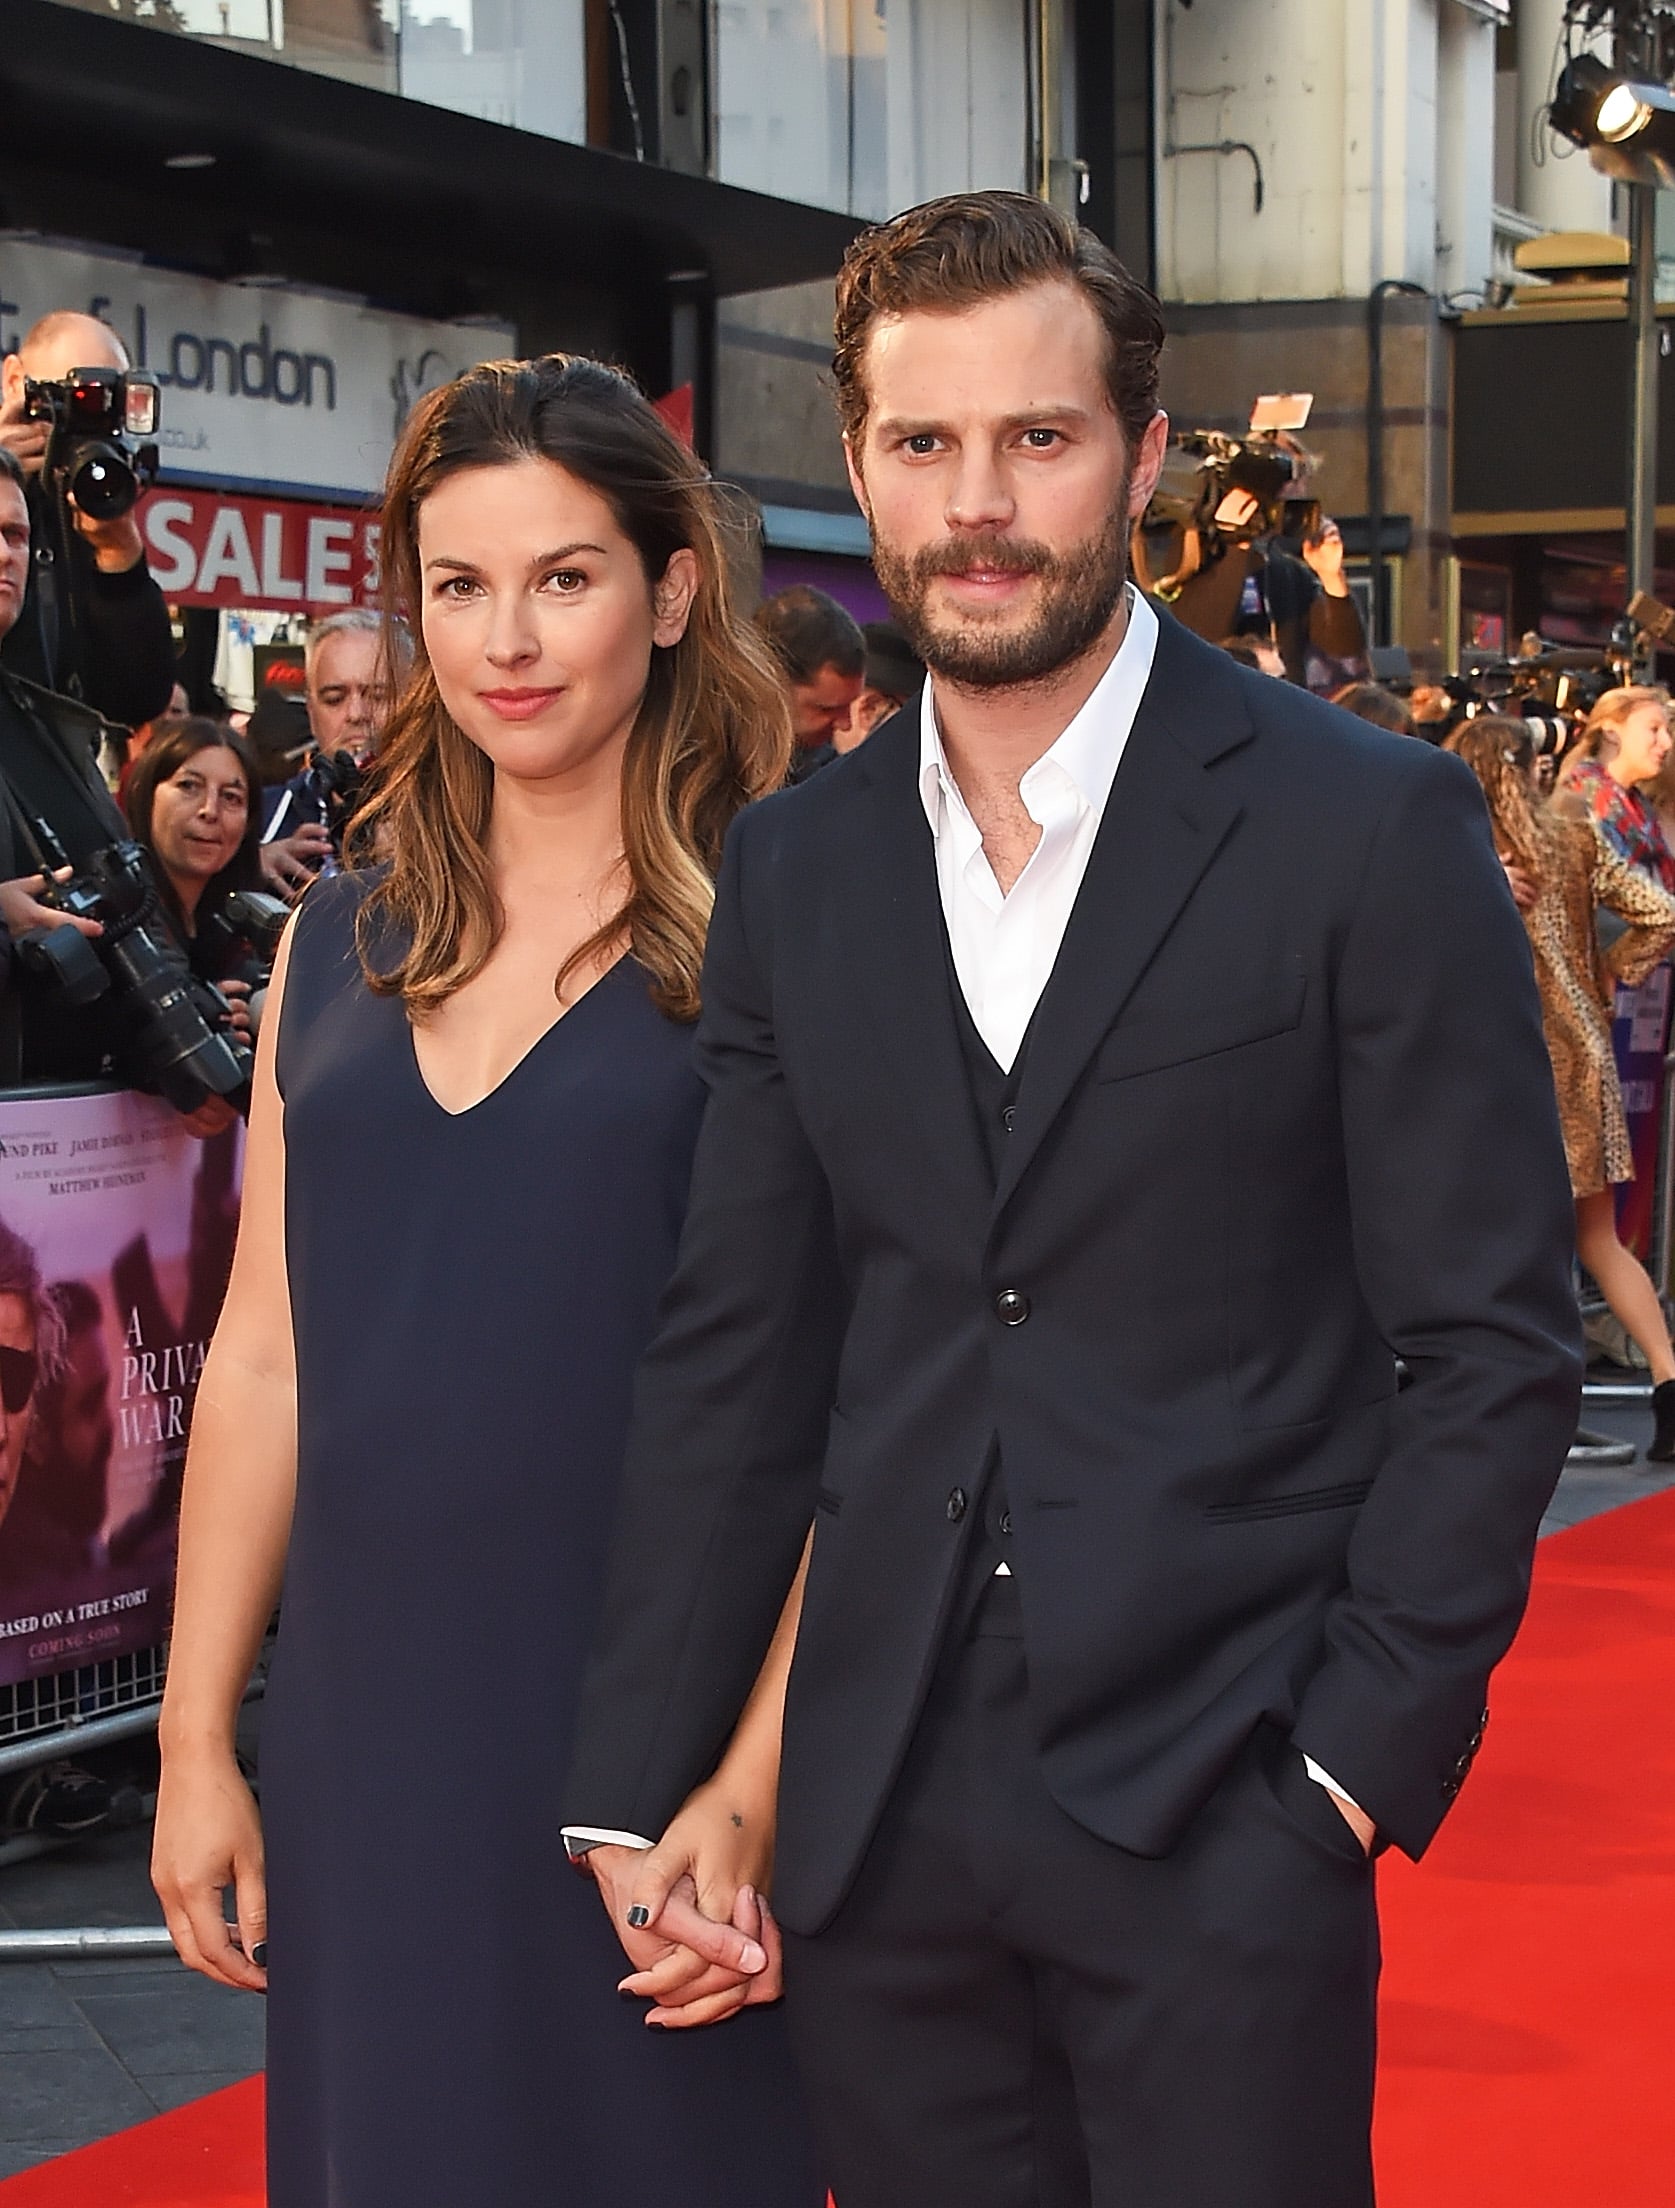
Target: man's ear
<point>857,482</point>
<point>672,596</point>
<point>1148,463</point>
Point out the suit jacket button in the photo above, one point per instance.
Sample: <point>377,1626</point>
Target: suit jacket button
<point>1011,1307</point>
<point>1006,1521</point>
<point>956,1505</point>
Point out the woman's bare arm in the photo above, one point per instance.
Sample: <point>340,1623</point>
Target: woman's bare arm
<point>235,1523</point>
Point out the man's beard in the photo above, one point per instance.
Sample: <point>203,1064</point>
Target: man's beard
<point>1079,592</point>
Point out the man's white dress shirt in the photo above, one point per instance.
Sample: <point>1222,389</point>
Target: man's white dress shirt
<point>1005,945</point>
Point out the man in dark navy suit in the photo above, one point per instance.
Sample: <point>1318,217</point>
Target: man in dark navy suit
<point>1121,1069</point>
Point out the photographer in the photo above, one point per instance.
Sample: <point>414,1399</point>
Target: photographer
<point>193,807</point>
<point>93,982</point>
<point>1259,588</point>
<point>94,625</point>
<point>47,748</point>
<point>347,692</point>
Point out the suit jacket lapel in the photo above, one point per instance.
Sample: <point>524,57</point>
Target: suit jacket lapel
<point>902,956</point>
<point>1164,822</point>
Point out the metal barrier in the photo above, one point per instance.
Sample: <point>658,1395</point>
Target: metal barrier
<point>111,1700</point>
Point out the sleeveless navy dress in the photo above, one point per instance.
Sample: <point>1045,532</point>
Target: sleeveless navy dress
<point>470,1295</point>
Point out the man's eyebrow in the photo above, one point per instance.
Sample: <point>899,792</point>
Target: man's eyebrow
<point>1033,417</point>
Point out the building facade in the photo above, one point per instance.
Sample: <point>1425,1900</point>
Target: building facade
<point>671,183</point>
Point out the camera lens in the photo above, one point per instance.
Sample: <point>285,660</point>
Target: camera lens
<point>102,483</point>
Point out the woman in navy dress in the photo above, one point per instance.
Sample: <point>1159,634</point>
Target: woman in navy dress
<point>469,1153</point>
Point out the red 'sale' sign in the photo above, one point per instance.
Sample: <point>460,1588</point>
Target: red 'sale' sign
<point>209,549</point>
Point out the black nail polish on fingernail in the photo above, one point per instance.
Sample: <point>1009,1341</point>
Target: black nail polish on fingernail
<point>639,1916</point>
<point>259,1954</point>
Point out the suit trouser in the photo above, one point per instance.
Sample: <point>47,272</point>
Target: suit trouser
<point>1007,2012</point>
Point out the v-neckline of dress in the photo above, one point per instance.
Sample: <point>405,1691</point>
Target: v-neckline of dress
<point>467,1111</point>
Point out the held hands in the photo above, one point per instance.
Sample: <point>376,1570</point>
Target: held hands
<point>207,1837</point>
<point>691,1915</point>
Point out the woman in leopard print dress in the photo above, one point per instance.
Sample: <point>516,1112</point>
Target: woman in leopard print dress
<point>1562,870</point>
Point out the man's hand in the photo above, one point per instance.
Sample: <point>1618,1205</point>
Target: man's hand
<point>1357,1820</point>
<point>290,863</point>
<point>1325,555</point>
<point>26,441</point>
<point>116,544</point>
<point>21,908</point>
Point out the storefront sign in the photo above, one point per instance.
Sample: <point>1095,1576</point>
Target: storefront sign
<point>116,1234</point>
<point>208,550</point>
<point>263,386</point>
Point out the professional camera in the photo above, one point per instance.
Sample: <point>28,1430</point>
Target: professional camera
<point>245,929</point>
<point>1553,690</point>
<point>97,416</point>
<point>180,1041</point>
<point>335,781</point>
<point>1196,502</point>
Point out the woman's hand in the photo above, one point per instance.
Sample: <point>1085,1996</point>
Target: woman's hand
<point>207,1837</point>
<point>237,994</point>
<point>210,1118</point>
<point>1524,892</point>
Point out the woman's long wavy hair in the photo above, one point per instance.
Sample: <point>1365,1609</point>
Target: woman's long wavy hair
<point>713,731</point>
<point>1498,751</point>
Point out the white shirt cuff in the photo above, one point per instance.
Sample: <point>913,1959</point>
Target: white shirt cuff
<point>1320,1778</point>
<point>579,1838</point>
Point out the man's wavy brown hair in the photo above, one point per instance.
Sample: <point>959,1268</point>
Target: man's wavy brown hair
<point>713,730</point>
<point>958,252</point>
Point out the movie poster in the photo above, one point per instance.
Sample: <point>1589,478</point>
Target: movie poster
<point>116,1237</point>
<point>1639,1038</point>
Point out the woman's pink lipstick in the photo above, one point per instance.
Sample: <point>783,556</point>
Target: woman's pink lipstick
<point>518,705</point>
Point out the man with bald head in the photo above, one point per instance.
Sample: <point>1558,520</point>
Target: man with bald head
<point>93,625</point>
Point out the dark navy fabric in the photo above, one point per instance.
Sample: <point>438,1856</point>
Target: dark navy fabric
<point>470,1295</point>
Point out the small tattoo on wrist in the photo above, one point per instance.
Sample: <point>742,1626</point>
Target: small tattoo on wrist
<point>738,1820</point>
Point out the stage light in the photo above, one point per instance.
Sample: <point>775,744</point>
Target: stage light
<point>1621,113</point>
<point>1578,96</point>
<point>1627,128</point>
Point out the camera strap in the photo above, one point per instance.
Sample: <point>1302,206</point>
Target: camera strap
<point>25,842</point>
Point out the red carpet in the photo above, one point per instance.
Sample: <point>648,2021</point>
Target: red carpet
<point>206,2155</point>
<point>1529,2015</point>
